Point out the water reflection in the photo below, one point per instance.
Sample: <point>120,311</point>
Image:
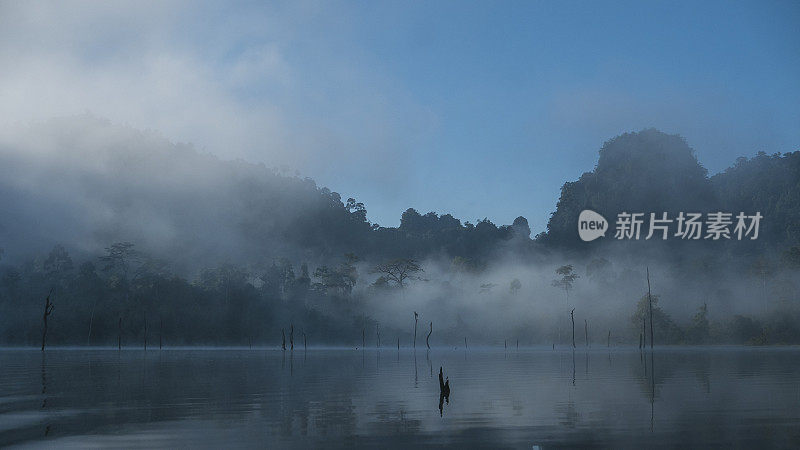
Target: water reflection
<point>44,393</point>
<point>442,398</point>
<point>227,399</point>
<point>587,364</point>
<point>416,374</point>
<point>652,391</point>
<point>573,367</point>
<point>428,358</point>
<point>444,391</point>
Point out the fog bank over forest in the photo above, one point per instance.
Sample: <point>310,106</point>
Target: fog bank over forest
<point>123,224</point>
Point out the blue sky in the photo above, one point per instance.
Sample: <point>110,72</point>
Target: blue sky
<point>474,109</point>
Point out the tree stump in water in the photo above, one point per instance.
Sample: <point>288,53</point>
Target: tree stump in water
<point>427,338</point>
<point>444,391</point>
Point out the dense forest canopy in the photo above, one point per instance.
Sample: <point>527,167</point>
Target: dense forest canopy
<point>127,228</point>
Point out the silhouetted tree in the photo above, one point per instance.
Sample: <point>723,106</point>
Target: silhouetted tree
<point>399,270</point>
<point>568,277</point>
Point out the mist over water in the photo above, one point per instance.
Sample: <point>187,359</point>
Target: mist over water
<point>206,398</point>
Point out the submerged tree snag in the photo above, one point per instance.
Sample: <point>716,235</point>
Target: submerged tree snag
<point>572,316</point>
<point>444,391</point>
<point>416,318</point>
<point>644,332</point>
<point>427,338</point>
<point>48,309</point>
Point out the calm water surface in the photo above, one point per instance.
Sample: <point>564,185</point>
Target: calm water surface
<point>190,398</point>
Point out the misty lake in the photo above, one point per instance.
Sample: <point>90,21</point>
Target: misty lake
<point>228,398</point>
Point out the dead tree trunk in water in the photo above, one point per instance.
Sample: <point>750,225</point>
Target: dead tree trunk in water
<point>517,344</point>
<point>586,331</point>
<point>427,338</point>
<point>160,332</point>
<point>398,343</point>
<point>48,309</point>
<point>465,342</point>
<point>644,332</point>
<point>305,342</point>
<point>505,344</point>
<point>572,316</point>
<point>363,338</point>
<point>291,337</point>
<point>378,335</point>
<point>650,302</point>
<point>608,342</point>
<point>283,339</point>
<point>416,318</point>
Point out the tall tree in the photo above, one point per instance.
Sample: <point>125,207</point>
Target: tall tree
<point>398,271</point>
<point>567,279</point>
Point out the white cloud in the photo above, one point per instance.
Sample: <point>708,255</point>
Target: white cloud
<point>225,80</point>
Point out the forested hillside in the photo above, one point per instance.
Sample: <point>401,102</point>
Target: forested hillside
<point>651,171</point>
<point>124,228</point>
